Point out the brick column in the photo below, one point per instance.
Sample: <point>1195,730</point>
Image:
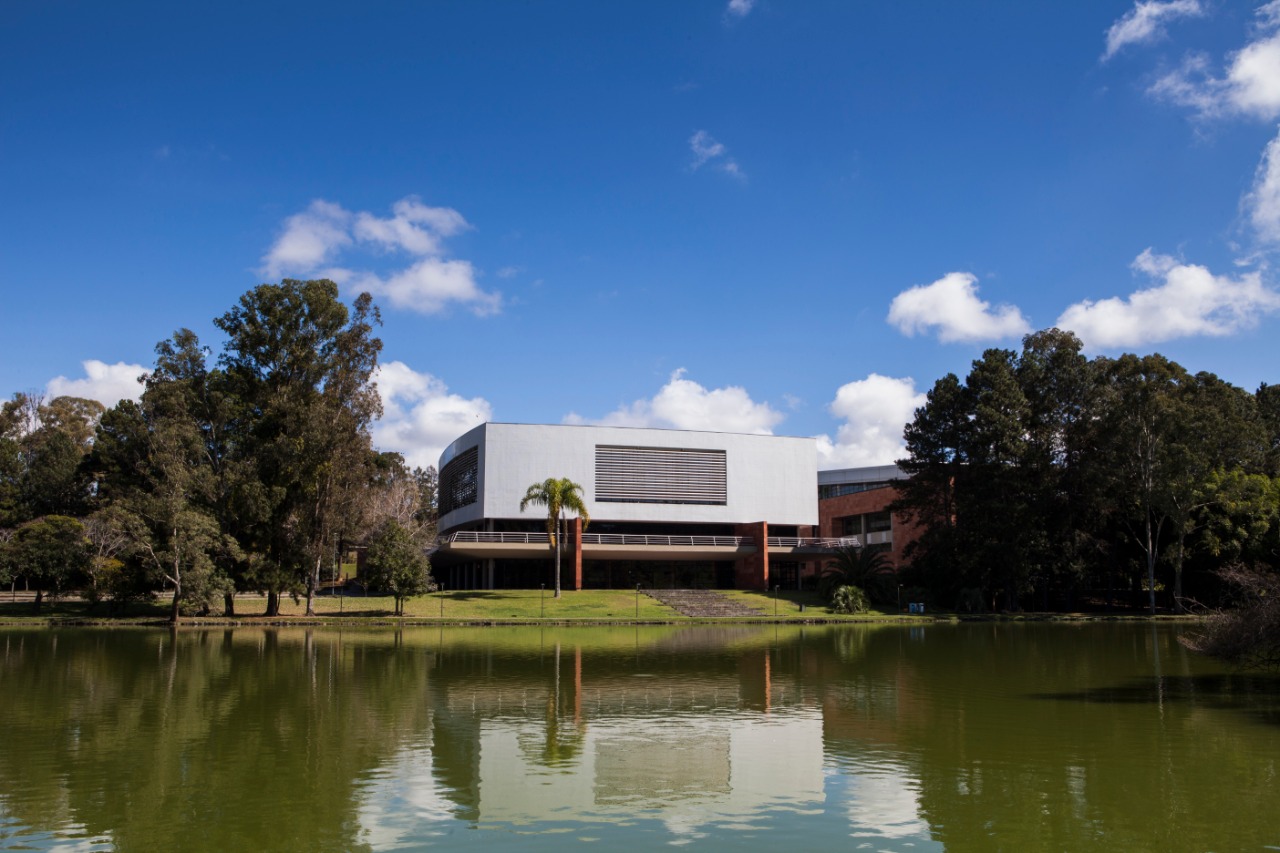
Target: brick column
<point>752,571</point>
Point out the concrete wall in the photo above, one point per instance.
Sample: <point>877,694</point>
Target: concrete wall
<point>771,478</point>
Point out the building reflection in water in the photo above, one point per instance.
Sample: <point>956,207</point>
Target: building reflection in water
<point>725,739</point>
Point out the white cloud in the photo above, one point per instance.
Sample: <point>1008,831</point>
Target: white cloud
<point>309,239</point>
<point>419,415</point>
<point>739,8</point>
<point>1263,201</point>
<point>1250,87</point>
<point>313,240</point>
<point>1188,301</point>
<point>708,152</point>
<point>1145,22</point>
<point>874,410</point>
<point>106,383</point>
<point>951,307</point>
<point>428,287</point>
<point>684,404</point>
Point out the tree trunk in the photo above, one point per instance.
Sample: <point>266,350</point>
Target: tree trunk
<point>311,594</point>
<point>175,614</point>
<point>229,604</point>
<point>273,603</point>
<point>39,599</point>
<point>559,540</point>
<point>1151,568</point>
<point>1177,577</point>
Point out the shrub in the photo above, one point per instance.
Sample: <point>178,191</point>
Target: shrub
<point>849,599</point>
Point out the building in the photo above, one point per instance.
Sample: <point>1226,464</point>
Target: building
<point>669,508</point>
<point>855,502</point>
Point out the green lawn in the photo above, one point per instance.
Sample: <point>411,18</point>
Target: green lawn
<point>455,606</point>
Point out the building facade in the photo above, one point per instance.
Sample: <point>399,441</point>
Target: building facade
<point>668,508</point>
<point>855,502</point>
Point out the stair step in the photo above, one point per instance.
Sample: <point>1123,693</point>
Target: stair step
<point>700,603</point>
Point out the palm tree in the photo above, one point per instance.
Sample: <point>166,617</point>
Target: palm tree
<point>557,496</point>
<point>866,568</point>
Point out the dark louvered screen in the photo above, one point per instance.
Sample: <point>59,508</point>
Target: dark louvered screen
<point>660,475</point>
<point>460,481</point>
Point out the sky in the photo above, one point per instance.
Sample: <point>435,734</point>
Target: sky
<point>731,215</point>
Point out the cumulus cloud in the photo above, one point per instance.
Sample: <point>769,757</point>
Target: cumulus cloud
<point>428,287</point>
<point>1145,22</point>
<point>1186,301</point>
<point>106,383</point>
<point>951,308</point>
<point>708,152</point>
<point>874,410</point>
<point>309,239</point>
<point>312,242</point>
<point>684,404</point>
<point>419,414</point>
<point>739,8</point>
<point>1262,204</point>
<point>1250,86</point>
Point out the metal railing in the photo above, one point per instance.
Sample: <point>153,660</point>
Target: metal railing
<point>477,536</point>
<point>817,543</point>
<point>635,539</point>
<point>647,540</point>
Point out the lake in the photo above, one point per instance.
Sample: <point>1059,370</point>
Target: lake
<point>983,736</point>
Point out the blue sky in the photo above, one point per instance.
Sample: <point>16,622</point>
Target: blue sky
<point>747,216</point>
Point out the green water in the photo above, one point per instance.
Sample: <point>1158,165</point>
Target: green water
<point>969,737</point>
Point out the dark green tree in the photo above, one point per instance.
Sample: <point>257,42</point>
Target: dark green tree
<point>302,366</point>
<point>52,553</point>
<point>397,564</point>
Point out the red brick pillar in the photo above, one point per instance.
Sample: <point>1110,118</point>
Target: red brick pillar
<point>573,544</point>
<point>752,571</point>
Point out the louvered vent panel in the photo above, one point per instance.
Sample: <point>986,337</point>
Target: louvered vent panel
<point>460,481</point>
<point>660,475</point>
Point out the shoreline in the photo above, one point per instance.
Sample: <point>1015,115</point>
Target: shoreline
<point>395,623</point>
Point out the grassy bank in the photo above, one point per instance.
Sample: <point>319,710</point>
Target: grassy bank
<point>470,606</point>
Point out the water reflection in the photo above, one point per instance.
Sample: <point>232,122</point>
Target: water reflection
<point>964,737</point>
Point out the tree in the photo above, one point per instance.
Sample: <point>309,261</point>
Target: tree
<point>557,495</point>
<point>1141,414</point>
<point>302,364</point>
<point>396,563</point>
<point>52,553</point>
<point>869,569</point>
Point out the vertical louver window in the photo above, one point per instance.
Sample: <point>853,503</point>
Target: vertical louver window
<point>460,481</point>
<point>660,475</point>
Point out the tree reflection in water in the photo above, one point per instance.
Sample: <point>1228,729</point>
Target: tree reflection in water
<point>966,736</point>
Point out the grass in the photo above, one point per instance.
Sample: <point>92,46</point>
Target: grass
<point>483,606</point>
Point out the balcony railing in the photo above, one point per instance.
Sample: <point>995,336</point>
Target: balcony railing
<point>648,540</point>
<point>817,544</point>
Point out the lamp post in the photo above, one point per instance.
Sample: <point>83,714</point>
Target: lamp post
<point>776,587</point>
<point>637,601</point>
<point>542,602</point>
<point>441,601</point>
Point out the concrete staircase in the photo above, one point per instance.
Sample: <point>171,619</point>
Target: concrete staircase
<point>700,603</point>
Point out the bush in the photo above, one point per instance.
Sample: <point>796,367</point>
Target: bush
<point>849,599</point>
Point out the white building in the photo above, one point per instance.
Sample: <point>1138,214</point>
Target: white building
<point>668,507</point>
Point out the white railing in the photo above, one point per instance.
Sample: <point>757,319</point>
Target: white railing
<point>817,543</point>
<point>643,540</point>
<point>699,541</point>
<point>476,536</point>
<point>500,538</point>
